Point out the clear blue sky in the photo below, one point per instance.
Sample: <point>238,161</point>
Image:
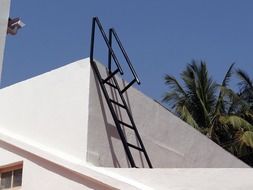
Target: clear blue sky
<point>160,36</point>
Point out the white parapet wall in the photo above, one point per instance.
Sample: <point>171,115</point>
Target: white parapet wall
<point>59,126</point>
<point>64,112</point>
<point>4,15</point>
<point>50,111</point>
<point>169,141</point>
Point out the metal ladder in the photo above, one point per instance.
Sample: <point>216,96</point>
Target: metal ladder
<point>111,81</point>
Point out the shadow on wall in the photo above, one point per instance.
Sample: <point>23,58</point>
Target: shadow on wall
<point>111,130</point>
<point>130,110</point>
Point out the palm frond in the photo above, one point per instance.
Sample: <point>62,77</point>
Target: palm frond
<point>189,79</point>
<point>172,98</point>
<point>247,138</point>
<point>236,122</point>
<point>206,87</point>
<point>187,117</point>
<point>228,75</point>
<point>204,111</point>
<point>174,84</point>
<point>224,84</point>
<point>249,114</point>
<point>245,79</point>
<point>176,94</point>
<point>246,87</point>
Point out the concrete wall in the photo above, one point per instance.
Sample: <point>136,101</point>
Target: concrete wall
<point>50,111</point>
<point>49,122</point>
<point>49,172</point>
<point>41,174</point>
<point>4,15</point>
<point>63,112</point>
<point>169,141</point>
<point>43,122</point>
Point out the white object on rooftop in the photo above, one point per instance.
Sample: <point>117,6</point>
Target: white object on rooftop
<point>14,25</point>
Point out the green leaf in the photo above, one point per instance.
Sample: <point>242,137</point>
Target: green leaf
<point>223,85</point>
<point>236,122</point>
<point>187,117</point>
<point>245,79</point>
<point>174,84</point>
<point>249,114</point>
<point>206,114</point>
<point>247,138</point>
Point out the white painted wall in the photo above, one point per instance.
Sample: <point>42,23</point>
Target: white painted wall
<point>169,141</point>
<point>39,175</point>
<point>49,122</point>
<point>192,178</point>
<point>42,175</point>
<point>4,15</point>
<point>64,112</point>
<point>46,170</point>
<point>50,110</point>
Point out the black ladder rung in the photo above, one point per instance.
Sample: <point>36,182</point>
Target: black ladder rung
<point>127,125</point>
<point>117,103</point>
<point>130,84</point>
<point>110,76</point>
<point>110,84</point>
<point>135,147</point>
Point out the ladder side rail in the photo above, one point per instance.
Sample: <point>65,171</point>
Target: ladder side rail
<point>113,33</point>
<point>133,123</point>
<point>111,54</point>
<point>95,21</point>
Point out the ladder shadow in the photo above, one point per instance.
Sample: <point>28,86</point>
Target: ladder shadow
<point>111,130</point>
<point>130,110</point>
<point>119,115</point>
<point>118,111</point>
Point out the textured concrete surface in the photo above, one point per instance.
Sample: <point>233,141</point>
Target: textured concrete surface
<point>169,141</point>
<point>4,15</point>
<point>64,111</point>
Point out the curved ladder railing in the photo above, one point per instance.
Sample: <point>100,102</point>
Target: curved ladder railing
<point>107,81</point>
<point>112,33</point>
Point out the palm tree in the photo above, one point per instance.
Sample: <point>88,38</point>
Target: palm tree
<point>246,91</point>
<point>209,107</point>
<point>196,98</point>
<point>245,110</point>
<point>246,85</point>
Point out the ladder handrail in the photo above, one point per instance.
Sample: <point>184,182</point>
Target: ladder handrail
<point>110,102</point>
<point>95,21</point>
<point>111,54</point>
<point>113,33</point>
